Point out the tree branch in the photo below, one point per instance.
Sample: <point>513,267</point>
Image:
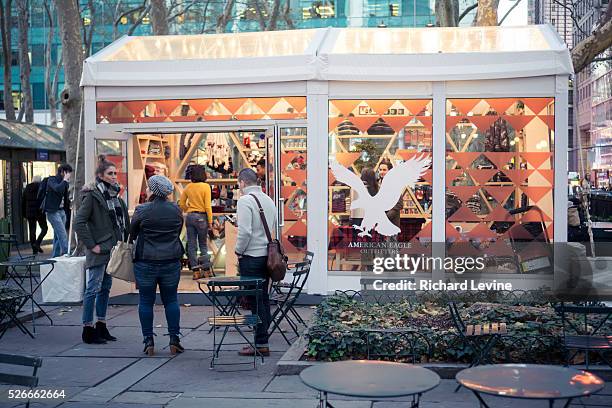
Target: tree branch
<point>185,9</point>
<point>586,50</point>
<point>466,12</point>
<point>516,3</point>
<point>139,20</point>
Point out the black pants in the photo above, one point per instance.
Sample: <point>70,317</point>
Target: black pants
<point>42,222</point>
<point>256,267</point>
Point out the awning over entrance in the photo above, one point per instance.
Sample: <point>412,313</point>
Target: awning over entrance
<point>347,54</point>
<point>18,135</point>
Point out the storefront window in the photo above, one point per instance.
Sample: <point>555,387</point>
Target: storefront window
<point>293,191</point>
<point>369,138</point>
<point>116,152</point>
<point>499,178</point>
<point>195,110</point>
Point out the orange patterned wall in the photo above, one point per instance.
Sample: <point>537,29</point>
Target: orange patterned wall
<point>194,110</point>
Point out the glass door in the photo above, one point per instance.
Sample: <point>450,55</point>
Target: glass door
<point>286,185</point>
<point>271,185</point>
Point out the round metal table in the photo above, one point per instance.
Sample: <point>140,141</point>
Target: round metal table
<point>376,380</point>
<point>530,381</point>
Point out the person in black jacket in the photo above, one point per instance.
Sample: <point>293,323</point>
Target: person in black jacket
<point>156,228</point>
<point>53,193</point>
<point>32,212</point>
<point>101,221</point>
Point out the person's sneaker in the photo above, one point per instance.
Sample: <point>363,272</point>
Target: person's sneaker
<point>197,274</point>
<point>175,345</point>
<point>250,352</point>
<point>149,347</point>
<point>90,336</point>
<point>103,332</point>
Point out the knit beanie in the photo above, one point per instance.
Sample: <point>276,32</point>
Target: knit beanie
<point>160,186</point>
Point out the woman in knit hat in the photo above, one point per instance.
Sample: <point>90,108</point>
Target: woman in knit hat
<point>156,227</point>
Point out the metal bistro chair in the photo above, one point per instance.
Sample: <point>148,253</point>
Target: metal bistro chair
<point>11,300</point>
<point>480,337</point>
<point>228,317</point>
<point>285,301</point>
<point>278,287</point>
<point>587,337</point>
<point>30,381</point>
<point>6,241</point>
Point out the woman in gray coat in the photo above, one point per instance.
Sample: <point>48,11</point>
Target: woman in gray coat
<point>101,221</point>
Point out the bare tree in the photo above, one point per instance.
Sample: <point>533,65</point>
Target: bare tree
<point>70,30</point>
<point>600,40</point>
<point>287,15</point>
<point>159,17</point>
<point>89,28</point>
<point>23,22</point>
<point>447,13</point>
<point>51,69</point>
<point>5,36</point>
<point>487,13</point>
<point>225,17</point>
<point>273,24</point>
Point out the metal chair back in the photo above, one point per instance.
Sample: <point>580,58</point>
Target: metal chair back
<point>456,317</point>
<point>30,381</point>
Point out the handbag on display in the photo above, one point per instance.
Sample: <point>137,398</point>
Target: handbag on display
<point>121,263</point>
<point>277,260</point>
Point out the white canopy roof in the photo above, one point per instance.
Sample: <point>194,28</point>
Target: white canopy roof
<point>340,54</point>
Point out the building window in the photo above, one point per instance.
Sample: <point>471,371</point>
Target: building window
<point>368,142</point>
<point>499,176</point>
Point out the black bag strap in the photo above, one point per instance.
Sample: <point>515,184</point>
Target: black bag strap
<point>263,218</point>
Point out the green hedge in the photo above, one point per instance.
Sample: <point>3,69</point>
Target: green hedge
<point>341,329</point>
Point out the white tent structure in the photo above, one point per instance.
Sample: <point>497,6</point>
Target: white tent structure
<point>438,65</point>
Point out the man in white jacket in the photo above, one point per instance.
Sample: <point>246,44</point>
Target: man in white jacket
<point>252,249</point>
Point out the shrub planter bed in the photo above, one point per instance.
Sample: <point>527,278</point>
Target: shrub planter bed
<point>338,326</point>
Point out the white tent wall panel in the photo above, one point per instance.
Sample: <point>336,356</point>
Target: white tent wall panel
<point>444,67</point>
<point>541,86</point>
<point>199,72</point>
<point>379,90</point>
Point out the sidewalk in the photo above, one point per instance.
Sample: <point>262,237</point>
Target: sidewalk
<point>117,374</point>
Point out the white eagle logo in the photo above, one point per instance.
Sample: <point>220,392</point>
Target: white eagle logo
<point>405,173</point>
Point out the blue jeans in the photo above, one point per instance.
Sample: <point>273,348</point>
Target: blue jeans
<point>148,276</point>
<point>57,219</point>
<point>197,230</point>
<point>98,292</point>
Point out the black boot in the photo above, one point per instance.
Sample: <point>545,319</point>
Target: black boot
<point>149,347</point>
<point>175,344</point>
<point>90,336</point>
<point>103,332</point>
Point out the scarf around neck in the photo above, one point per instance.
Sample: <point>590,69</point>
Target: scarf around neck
<point>110,192</point>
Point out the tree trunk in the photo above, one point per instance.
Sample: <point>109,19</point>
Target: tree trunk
<point>273,24</point>
<point>260,15</point>
<point>446,13</point>
<point>70,30</point>
<point>225,17</point>
<point>586,50</point>
<point>287,15</point>
<point>50,91</point>
<point>487,13</point>
<point>23,22</point>
<point>5,36</point>
<point>159,17</point>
